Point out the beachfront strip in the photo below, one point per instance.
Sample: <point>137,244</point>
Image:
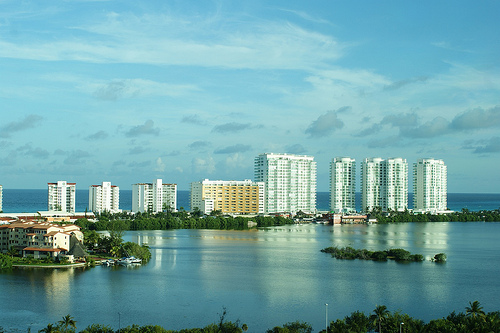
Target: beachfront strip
<point>284,184</point>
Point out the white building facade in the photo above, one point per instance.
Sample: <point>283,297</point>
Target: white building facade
<point>1,198</point>
<point>384,184</point>
<point>395,184</point>
<point>228,196</point>
<point>371,175</point>
<point>154,197</point>
<point>343,185</point>
<point>290,182</point>
<point>104,197</point>
<point>430,190</point>
<point>62,196</point>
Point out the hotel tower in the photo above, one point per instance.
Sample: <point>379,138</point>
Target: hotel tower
<point>104,197</point>
<point>384,184</point>
<point>154,197</point>
<point>429,185</point>
<point>62,196</point>
<point>290,182</point>
<point>343,185</point>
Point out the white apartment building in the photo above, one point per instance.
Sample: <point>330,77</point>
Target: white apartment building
<point>290,182</point>
<point>384,184</point>
<point>371,175</point>
<point>395,185</point>
<point>62,197</point>
<point>429,185</point>
<point>228,196</point>
<point>1,197</point>
<point>343,185</point>
<point>104,197</point>
<point>154,197</point>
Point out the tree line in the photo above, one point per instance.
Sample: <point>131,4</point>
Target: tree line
<point>474,319</point>
<point>463,216</point>
<point>177,220</point>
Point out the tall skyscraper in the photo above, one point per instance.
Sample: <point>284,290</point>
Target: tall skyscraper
<point>371,176</point>
<point>429,185</point>
<point>290,182</point>
<point>395,184</point>
<point>343,185</point>
<point>384,184</point>
<point>1,197</point>
<point>104,197</point>
<point>62,197</point>
<point>228,196</point>
<point>153,197</point>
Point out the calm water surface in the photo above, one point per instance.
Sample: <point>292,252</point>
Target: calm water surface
<point>265,278</point>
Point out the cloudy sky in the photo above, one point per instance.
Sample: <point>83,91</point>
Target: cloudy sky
<point>130,91</point>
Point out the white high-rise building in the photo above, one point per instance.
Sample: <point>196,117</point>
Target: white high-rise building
<point>395,184</point>
<point>429,185</point>
<point>1,197</point>
<point>384,184</point>
<point>62,197</point>
<point>371,175</point>
<point>154,197</point>
<point>290,182</point>
<point>228,196</point>
<point>343,185</point>
<point>104,197</point>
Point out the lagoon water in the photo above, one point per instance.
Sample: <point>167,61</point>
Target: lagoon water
<point>264,278</point>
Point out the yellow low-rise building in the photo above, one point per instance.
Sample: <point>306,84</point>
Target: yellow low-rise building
<point>228,196</point>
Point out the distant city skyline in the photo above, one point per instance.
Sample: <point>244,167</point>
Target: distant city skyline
<point>126,92</point>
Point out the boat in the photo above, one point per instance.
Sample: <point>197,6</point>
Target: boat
<point>129,261</point>
<point>108,262</point>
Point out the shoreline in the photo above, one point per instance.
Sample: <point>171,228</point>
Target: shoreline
<point>80,264</point>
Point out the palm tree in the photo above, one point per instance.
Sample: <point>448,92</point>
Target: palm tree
<point>474,310</point>
<point>67,321</point>
<point>380,313</point>
<point>49,329</point>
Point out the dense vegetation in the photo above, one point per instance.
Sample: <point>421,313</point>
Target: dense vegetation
<point>464,216</point>
<point>5,261</point>
<point>113,244</point>
<point>475,319</point>
<point>351,253</point>
<point>178,220</point>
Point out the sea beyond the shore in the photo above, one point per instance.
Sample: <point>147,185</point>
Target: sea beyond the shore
<point>32,201</point>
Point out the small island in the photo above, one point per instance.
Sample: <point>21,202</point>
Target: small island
<point>400,255</point>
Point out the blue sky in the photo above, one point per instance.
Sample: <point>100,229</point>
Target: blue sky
<point>130,91</point>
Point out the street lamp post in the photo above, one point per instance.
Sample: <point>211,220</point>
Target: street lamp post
<point>119,324</point>
<point>326,317</point>
<point>401,327</point>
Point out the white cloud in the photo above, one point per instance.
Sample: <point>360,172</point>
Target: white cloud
<point>130,88</point>
<point>160,166</point>
<point>142,40</point>
<point>203,165</point>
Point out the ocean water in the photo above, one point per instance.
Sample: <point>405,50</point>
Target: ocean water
<point>32,201</point>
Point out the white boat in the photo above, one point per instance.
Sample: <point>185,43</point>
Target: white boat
<point>129,261</point>
<point>109,262</point>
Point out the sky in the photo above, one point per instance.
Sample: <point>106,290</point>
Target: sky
<point>130,91</point>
